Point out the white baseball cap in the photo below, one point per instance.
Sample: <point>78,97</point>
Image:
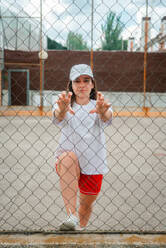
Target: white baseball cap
<point>81,69</point>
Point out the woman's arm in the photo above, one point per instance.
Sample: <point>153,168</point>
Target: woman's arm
<point>63,103</point>
<point>106,116</point>
<point>102,108</point>
<point>59,114</point>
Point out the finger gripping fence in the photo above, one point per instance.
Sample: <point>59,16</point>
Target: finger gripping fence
<point>124,44</point>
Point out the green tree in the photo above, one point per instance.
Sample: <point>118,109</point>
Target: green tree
<point>112,30</point>
<point>75,42</point>
<point>53,45</point>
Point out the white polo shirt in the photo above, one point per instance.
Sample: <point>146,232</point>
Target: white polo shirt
<point>83,133</point>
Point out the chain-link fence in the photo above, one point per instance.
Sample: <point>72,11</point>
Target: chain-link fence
<point>40,41</point>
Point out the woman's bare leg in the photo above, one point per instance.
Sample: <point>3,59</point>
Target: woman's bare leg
<point>69,172</point>
<point>85,209</point>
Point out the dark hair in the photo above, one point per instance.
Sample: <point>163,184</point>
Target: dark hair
<point>93,93</point>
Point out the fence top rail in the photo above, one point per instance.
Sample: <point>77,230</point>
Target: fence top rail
<point>46,111</point>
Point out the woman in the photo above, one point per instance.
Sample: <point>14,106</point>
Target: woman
<point>82,113</point>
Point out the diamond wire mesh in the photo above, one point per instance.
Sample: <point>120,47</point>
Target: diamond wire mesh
<point>133,192</point>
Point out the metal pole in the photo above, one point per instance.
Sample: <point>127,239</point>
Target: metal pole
<point>42,80</point>
<point>0,87</point>
<point>145,56</point>
<point>41,63</point>
<point>29,40</point>
<point>1,57</point>
<point>92,12</point>
<point>122,45</point>
<point>16,34</point>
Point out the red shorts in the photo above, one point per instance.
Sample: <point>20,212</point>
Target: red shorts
<point>89,184</point>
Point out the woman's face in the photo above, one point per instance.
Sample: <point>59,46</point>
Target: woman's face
<point>82,86</point>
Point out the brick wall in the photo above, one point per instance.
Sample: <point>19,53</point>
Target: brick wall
<point>114,71</point>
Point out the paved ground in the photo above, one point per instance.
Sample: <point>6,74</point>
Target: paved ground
<point>83,240</point>
<point>133,196</point>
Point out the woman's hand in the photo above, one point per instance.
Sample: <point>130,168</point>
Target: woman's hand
<point>63,102</point>
<point>102,108</point>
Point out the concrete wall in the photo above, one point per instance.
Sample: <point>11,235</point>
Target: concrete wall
<point>118,99</point>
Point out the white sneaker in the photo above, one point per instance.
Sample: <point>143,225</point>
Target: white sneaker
<point>69,224</point>
<point>81,229</point>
